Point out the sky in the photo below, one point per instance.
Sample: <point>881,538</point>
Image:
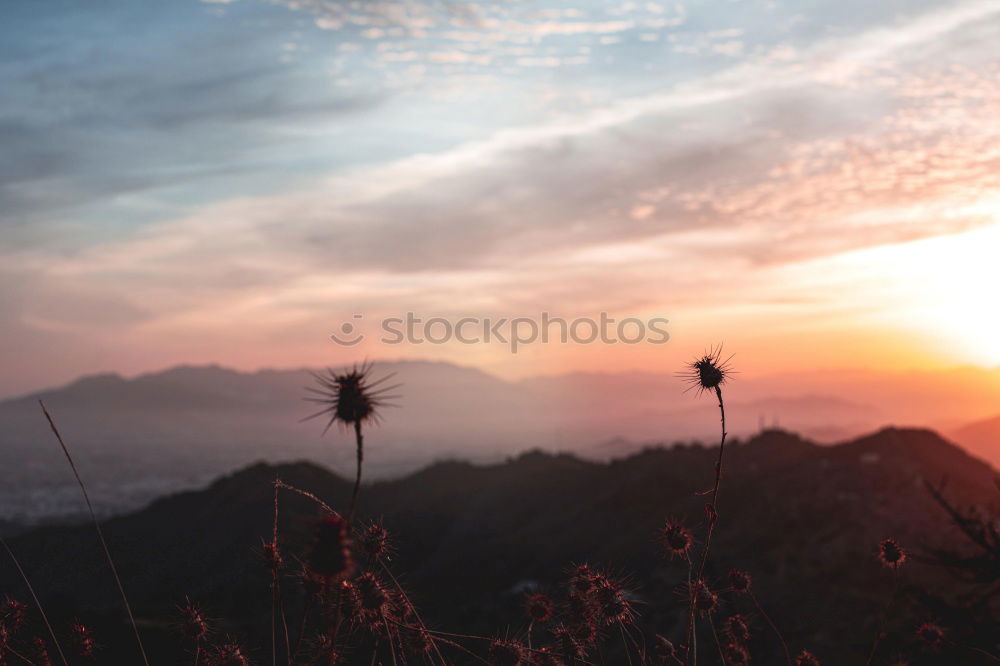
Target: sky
<point>813,184</point>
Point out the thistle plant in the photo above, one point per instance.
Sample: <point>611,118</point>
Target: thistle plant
<point>708,373</point>
<point>351,399</point>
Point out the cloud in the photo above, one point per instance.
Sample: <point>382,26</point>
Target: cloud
<point>700,192</point>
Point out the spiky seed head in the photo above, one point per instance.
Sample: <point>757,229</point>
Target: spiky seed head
<point>350,599</point>
<point>806,658</point>
<point>708,372</point>
<point>545,657</point>
<point>586,633</point>
<point>737,654</point>
<point>351,397</point>
<point>375,600</point>
<point>375,540</point>
<point>614,607</point>
<point>676,538</point>
<point>83,640</point>
<point>703,598</point>
<point>538,607</point>
<point>12,615</point>
<point>582,581</point>
<point>330,558</point>
<point>324,652</point>
<point>931,633</point>
<point>664,649</point>
<point>40,653</point>
<point>506,652</point>
<point>740,580</point>
<point>738,629</point>
<point>891,553</point>
<point>415,637</point>
<point>569,646</point>
<point>272,554</point>
<point>195,626</point>
<point>228,654</point>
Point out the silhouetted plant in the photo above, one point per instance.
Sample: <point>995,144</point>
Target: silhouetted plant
<point>352,399</point>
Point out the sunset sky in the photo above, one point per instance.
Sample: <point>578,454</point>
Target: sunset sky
<point>815,184</point>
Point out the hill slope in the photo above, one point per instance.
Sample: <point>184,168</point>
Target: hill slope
<point>982,438</point>
<point>797,515</point>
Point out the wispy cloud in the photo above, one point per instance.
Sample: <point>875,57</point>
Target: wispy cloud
<point>286,191</point>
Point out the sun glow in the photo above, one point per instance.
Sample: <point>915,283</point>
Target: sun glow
<point>943,289</point>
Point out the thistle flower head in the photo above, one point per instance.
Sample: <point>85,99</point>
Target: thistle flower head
<point>806,658</point>
<point>12,615</point>
<point>40,653</point>
<point>415,637</point>
<point>583,580</point>
<point>545,657</point>
<point>611,601</point>
<point>195,626</point>
<point>228,654</point>
<point>325,653</point>
<point>83,640</point>
<point>374,598</point>
<point>350,397</point>
<point>740,580</point>
<point>737,654</point>
<point>504,652</point>
<point>330,557</point>
<point>703,598</point>
<point>737,629</point>
<point>891,553</point>
<point>538,607</point>
<point>375,540</point>
<point>709,371</point>
<point>664,648</point>
<point>676,538</point>
<point>569,646</point>
<point>931,634</point>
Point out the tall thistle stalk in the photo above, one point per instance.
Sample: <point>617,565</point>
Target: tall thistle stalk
<point>351,399</point>
<point>708,373</point>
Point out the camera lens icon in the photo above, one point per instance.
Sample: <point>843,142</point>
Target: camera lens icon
<point>348,337</point>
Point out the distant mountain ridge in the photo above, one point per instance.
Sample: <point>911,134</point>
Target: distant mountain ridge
<point>982,438</point>
<point>139,438</point>
<point>796,514</point>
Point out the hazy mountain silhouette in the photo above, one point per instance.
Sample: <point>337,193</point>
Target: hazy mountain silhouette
<point>981,438</point>
<point>805,519</point>
<point>140,438</point>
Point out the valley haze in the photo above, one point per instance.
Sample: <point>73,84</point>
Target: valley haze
<point>139,438</point>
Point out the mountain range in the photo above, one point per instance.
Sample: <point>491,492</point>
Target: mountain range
<point>139,438</point>
<point>804,519</point>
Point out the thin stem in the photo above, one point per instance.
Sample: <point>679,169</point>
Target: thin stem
<point>38,604</point>
<point>774,627</point>
<point>714,514</point>
<point>715,635</point>
<point>692,632</point>
<point>305,493</point>
<point>979,651</point>
<point>885,616</point>
<point>388,631</point>
<point>357,480</point>
<point>100,533</point>
<point>19,655</point>
<point>413,609</point>
<point>302,627</point>
<point>624,644</point>
<point>277,603</point>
